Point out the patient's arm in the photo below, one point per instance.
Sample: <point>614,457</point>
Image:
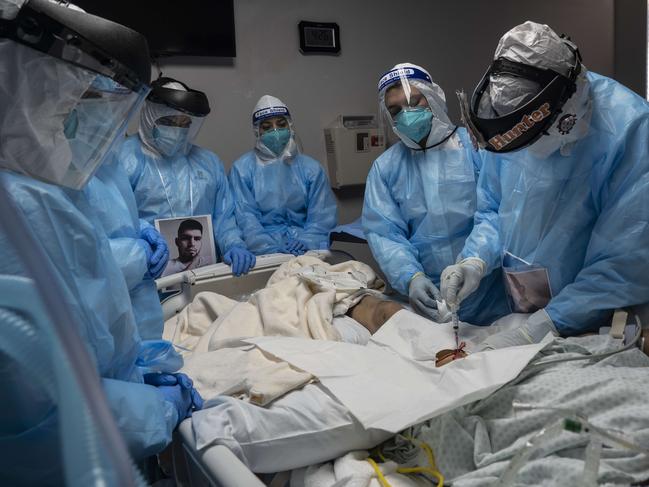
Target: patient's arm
<point>372,312</point>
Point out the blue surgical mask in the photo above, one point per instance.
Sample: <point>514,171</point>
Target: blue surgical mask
<point>414,123</point>
<point>170,140</point>
<point>276,140</point>
<point>86,128</point>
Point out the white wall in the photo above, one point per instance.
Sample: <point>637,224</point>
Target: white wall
<point>453,39</point>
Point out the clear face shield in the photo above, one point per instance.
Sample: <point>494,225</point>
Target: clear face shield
<point>274,133</point>
<point>60,121</point>
<point>95,125</point>
<point>413,108</point>
<point>167,130</point>
<point>515,104</point>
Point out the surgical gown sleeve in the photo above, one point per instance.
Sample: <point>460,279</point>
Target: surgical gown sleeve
<point>150,421</point>
<point>616,267</point>
<point>387,232</point>
<point>226,231</point>
<point>131,258</point>
<point>93,287</point>
<point>248,215</point>
<point>322,212</point>
<point>127,155</point>
<point>484,240</point>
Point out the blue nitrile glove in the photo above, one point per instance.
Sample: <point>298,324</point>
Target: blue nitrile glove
<point>538,325</point>
<point>179,390</point>
<point>295,246</point>
<point>160,255</point>
<point>240,259</point>
<point>424,296</point>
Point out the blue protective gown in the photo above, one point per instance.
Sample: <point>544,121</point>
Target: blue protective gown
<point>584,217</point>
<point>96,293</point>
<point>194,184</point>
<point>418,211</point>
<point>110,194</point>
<point>281,199</point>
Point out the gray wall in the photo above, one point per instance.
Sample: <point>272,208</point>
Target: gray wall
<point>630,54</point>
<point>454,40</point>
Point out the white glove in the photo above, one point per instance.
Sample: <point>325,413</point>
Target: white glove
<point>459,280</point>
<point>424,296</point>
<point>538,325</point>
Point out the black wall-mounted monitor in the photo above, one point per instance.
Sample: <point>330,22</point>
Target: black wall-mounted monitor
<point>189,28</point>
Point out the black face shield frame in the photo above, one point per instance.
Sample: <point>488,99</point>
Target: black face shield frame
<point>192,102</point>
<point>526,124</point>
<point>84,40</point>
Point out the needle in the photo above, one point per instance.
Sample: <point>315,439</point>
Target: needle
<point>456,328</point>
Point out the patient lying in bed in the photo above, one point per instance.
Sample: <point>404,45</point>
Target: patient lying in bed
<point>305,298</point>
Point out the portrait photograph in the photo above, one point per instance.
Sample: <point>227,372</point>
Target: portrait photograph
<point>190,241</point>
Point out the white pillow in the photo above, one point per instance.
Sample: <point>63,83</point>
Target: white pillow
<point>351,331</point>
<point>304,427</point>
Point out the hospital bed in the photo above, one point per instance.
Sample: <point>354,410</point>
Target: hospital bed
<point>217,465</point>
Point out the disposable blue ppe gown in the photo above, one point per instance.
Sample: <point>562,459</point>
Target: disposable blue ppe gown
<point>182,185</point>
<point>280,200</point>
<point>96,294</point>
<point>418,211</point>
<point>585,217</point>
<point>109,193</point>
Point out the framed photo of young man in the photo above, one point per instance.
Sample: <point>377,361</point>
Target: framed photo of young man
<point>190,240</point>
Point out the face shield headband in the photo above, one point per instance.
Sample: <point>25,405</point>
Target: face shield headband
<point>409,77</point>
<point>526,124</point>
<point>270,112</point>
<point>51,29</point>
<point>192,102</point>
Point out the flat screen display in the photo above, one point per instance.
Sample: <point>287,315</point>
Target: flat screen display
<point>319,37</point>
<point>172,28</point>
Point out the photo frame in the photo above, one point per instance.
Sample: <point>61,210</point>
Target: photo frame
<point>190,240</point>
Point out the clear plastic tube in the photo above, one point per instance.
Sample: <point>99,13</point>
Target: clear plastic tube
<point>569,420</point>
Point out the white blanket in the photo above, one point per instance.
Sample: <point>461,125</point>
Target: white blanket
<point>300,300</point>
<point>393,383</point>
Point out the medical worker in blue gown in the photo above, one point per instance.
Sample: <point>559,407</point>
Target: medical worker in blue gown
<point>139,249</point>
<point>283,199</point>
<point>563,199</point>
<point>420,197</point>
<point>47,155</point>
<point>174,178</point>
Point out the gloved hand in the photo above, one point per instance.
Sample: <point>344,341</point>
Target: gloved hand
<point>424,296</point>
<point>240,259</point>
<point>295,247</point>
<point>459,280</point>
<point>179,390</point>
<point>538,325</point>
<point>157,260</point>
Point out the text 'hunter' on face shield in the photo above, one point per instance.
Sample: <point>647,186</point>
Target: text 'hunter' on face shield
<point>524,125</point>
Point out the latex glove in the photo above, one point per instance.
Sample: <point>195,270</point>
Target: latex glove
<point>538,325</point>
<point>179,390</point>
<point>240,259</point>
<point>157,261</point>
<point>424,296</point>
<point>295,246</point>
<point>459,280</point>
